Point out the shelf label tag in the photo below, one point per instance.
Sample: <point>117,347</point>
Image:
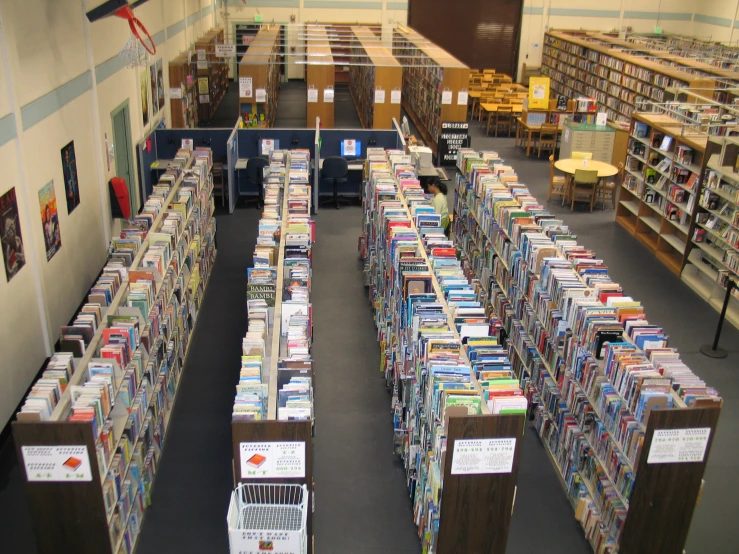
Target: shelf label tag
<point>462,98</point>
<point>245,87</point>
<point>379,96</point>
<point>261,95</point>
<point>479,456</point>
<point>312,95</point>
<point>328,95</point>
<point>268,460</point>
<point>395,96</point>
<point>57,463</point>
<point>676,446</point>
<point>446,97</point>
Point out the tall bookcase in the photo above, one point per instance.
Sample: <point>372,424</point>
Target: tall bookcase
<point>661,186</point>
<point>320,77</point>
<point>431,93</point>
<point>214,69</point>
<point>259,70</point>
<point>96,476</point>
<point>373,81</point>
<point>342,40</point>
<point>456,510</point>
<point>286,215</point>
<point>713,249</point>
<point>618,81</point>
<point>606,442</point>
<point>183,94</point>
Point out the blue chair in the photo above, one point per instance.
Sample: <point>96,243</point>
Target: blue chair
<point>335,169</point>
<point>255,174</point>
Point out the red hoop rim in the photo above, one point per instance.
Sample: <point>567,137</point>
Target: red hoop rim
<point>135,25</point>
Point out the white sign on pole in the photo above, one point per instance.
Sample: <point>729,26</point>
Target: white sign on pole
<point>225,50</point>
<point>477,456</point>
<point>328,95</point>
<point>268,460</point>
<point>379,96</point>
<point>261,95</point>
<point>245,90</point>
<point>395,96</point>
<point>312,95</point>
<point>675,446</point>
<point>57,463</point>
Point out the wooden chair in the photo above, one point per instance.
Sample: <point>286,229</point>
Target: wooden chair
<point>219,182</point>
<point>608,190</point>
<point>548,138</point>
<point>504,120</point>
<point>585,183</point>
<point>582,155</point>
<point>484,99</point>
<point>557,183</point>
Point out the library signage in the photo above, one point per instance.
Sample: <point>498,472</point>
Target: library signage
<point>670,446</point>
<point>453,137</point>
<point>270,460</point>
<point>57,463</point>
<point>480,456</point>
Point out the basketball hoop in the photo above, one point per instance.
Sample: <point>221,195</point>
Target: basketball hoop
<point>136,52</point>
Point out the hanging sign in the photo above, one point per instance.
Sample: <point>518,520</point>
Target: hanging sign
<point>328,95</point>
<point>225,50</point>
<point>261,95</point>
<point>379,96</point>
<point>446,96</point>
<point>395,96</point>
<point>454,135</point>
<point>312,95</point>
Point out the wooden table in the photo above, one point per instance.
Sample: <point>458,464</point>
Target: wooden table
<point>492,109</point>
<point>570,165</point>
<point>523,129</point>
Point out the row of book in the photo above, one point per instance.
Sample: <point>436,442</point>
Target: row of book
<point>544,285</point>
<point>437,350</point>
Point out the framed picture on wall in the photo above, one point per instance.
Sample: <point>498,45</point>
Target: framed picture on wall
<point>14,256</point>
<point>50,220</point>
<point>154,93</point>
<point>144,85</point>
<point>71,182</point>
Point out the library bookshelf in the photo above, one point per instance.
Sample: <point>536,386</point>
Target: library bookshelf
<point>661,186</point>
<point>259,70</point>
<point>105,486</point>
<point>373,80</point>
<point>432,83</point>
<point>320,76</point>
<point>474,509</point>
<point>183,93</point>
<point>579,64</point>
<point>625,495</point>
<point>342,40</point>
<point>272,428</point>
<point>214,70</point>
<point>713,249</point>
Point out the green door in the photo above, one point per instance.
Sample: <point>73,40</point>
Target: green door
<point>124,152</point>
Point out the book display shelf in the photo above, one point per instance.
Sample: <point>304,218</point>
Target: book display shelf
<point>320,76</point>
<point>92,431</point>
<point>183,94</point>
<point>342,40</point>
<point>272,421</point>
<point>661,185</point>
<point>578,64</point>
<point>375,83</point>
<point>459,414</point>
<point>713,251</point>
<point>259,78</point>
<point>435,84</point>
<point>214,69</point>
<point>609,398</point>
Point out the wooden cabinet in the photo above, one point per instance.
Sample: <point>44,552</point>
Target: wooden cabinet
<point>259,70</point>
<point>587,137</point>
<point>319,77</point>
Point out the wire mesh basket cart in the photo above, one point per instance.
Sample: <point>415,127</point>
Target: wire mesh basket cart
<point>268,518</point>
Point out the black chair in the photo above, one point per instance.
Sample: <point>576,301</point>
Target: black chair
<point>255,174</point>
<point>334,169</point>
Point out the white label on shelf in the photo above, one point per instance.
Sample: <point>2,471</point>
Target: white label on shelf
<point>245,87</point>
<point>175,93</point>
<point>478,456</point>
<point>379,96</point>
<point>446,97</point>
<point>261,95</point>
<point>255,542</point>
<point>225,50</point>
<point>204,98</point>
<point>601,118</point>
<point>328,95</point>
<point>201,55</point>
<point>312,95</point>
<point>57,463</point>
<point>202,65</point>
<point>462,98</point>
<point>395,96</point>
<point>674,446</point>
<point>269,460</point>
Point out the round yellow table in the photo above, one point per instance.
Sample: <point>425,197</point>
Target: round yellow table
<point>569,165</point>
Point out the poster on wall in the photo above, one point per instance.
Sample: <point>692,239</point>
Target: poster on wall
<point>144,85</point>
<point>160,84</point>
<point>154,93</point>
<point>10,226</point>
<point>71,182</point>
<point>50,220</point>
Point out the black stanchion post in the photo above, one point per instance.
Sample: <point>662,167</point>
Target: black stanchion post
<point>712,350</point>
